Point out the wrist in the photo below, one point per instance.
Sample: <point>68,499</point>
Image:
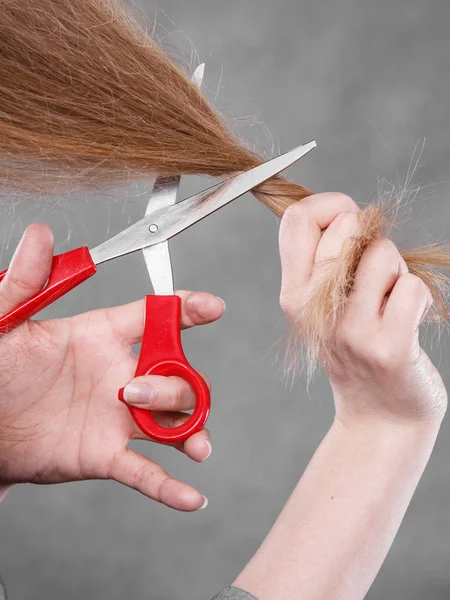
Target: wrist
<point>392,434</point>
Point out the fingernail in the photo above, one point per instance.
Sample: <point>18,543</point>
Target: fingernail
<point>139,394</point>
<point>427,308</point>
<point>223,302</point>
<point>208,443</point>
<point>205,503</point>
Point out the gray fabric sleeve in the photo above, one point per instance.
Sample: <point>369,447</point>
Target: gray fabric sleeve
<point>233,593</point>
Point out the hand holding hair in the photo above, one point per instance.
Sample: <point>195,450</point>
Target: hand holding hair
<point>59,414</point>
<point>370,349</point>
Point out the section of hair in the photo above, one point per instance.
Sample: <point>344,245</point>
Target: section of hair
<point>87,98</point>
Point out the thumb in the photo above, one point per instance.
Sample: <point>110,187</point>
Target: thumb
<point>29,268</point>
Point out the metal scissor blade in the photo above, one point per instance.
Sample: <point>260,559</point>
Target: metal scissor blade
<point>171,220</point>
<point>197,207</point>
<point>159,265</point>
<point>197,76</point>
<point>164,193</point>
<point>157,258</point>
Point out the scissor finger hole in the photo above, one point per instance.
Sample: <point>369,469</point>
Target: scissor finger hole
<point>170,420</point>
<point>191,423</point>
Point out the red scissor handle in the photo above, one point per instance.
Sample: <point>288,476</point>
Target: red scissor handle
<point>162,354</point>
<point>68,270</point>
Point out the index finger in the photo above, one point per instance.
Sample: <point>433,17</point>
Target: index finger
<point>197,308</point>
<point>300,232</point>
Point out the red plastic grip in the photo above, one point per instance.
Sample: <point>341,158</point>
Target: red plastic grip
<point>68,270</point>
<point>162,354</point>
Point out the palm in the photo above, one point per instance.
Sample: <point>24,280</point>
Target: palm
<point>62,420</point>
<point>66,413</point>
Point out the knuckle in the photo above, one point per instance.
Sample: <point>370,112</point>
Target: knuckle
<point>17,282</point>
<point>114,464</point>
<point>164,489</point>
<point>345,201</point>
<point>383,254</point>
<point>156,393</point>
<point>346,225</point>
<point>349,220</point>
<point>295,210</point>
<point>385,249</point>
<point>304,210</point>
<point>415,285</point>
<point>383,356</point>
<point>354,343</point>
<point>178,394</point>
<point>348,340</point>
<point>293,297</point>
<point>289,307</point>
<point>284,302</point>
<point>295,215</point>
<point>141,476</point>
<point>174,393</point>
<point>342,217</point>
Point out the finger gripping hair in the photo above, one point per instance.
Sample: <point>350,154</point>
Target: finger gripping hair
<point>314,324</point>
<point>89,100</point>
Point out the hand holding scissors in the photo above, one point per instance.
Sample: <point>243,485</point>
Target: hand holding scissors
<point>161,352</point>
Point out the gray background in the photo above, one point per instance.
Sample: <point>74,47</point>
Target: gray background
<point>367,80</point>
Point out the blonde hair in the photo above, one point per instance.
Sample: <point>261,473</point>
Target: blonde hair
<point>88,99</point>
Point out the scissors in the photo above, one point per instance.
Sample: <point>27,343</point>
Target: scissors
<point>161,350</point>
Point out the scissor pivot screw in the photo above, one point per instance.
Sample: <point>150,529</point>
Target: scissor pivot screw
<point>153,228</point>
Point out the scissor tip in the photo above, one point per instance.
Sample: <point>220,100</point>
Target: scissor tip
<point>303,150</point>
<point>197,76</point>
<point>312,144</point>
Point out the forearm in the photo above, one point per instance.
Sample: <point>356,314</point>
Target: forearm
<point>336,529</point>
